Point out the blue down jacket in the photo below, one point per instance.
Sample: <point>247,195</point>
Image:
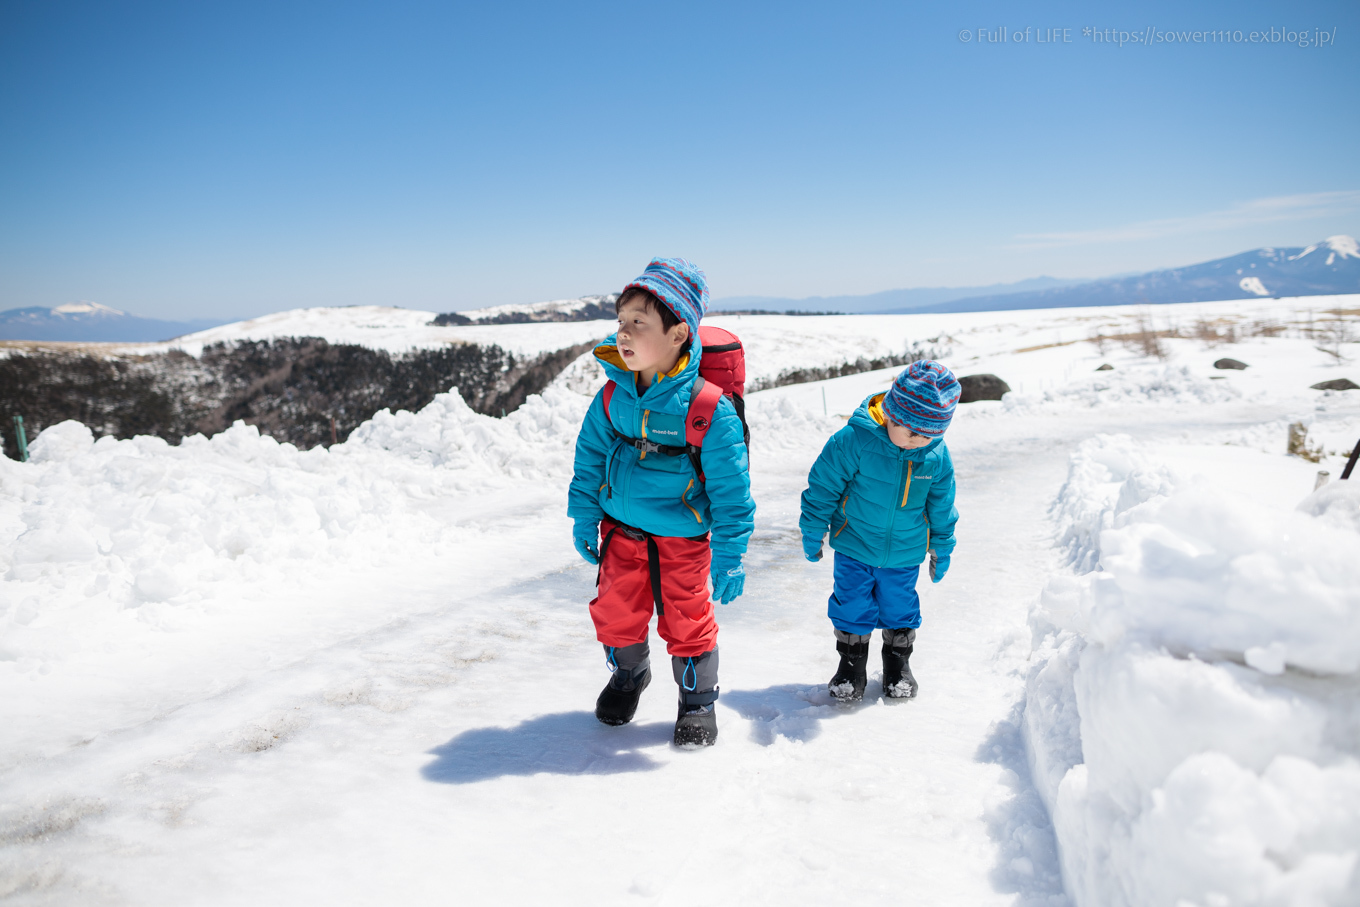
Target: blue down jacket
<point>654,492</point>
<point>883,505</point>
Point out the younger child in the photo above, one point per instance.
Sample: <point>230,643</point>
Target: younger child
<point>883,487</point>
<point>644,514</point>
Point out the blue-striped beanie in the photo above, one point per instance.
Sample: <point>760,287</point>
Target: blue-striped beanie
<point>923,398</point>
<point>680,285</point>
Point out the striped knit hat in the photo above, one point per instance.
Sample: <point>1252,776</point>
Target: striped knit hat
<point>680,285</point>
<point>923,398</point>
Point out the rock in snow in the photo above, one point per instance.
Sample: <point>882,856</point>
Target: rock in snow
<point>982,387</point>
<point>1336,384</point>
<point>1230,363</point>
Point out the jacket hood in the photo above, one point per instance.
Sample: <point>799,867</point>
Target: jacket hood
<point>867,421</point>
<point>664,387</point>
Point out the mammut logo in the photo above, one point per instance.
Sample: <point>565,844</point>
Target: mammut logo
<point>700,423</point>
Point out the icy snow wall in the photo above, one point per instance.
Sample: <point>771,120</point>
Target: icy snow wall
<point>1191,717</point>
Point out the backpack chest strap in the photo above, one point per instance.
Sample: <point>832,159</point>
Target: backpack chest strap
<point>651,447</point>
<point>703,402</point>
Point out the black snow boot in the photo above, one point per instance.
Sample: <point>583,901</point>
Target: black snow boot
<point>898,682</point>
<point>853,673</point>
<point>697,721</point>
<point>632,669</point>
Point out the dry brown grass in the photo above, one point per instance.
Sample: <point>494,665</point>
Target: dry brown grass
<point>1046,346</point>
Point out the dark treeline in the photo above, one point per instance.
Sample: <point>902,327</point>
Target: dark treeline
<point>934,348</point>
<point>289,388</point>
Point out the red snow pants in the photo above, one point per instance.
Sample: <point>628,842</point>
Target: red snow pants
<point>622,609</point>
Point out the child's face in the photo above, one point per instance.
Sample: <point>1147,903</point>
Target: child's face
<point>644,344</point>
<point>904,437</point>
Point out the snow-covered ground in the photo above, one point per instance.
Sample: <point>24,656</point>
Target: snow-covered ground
<point>234,672</point>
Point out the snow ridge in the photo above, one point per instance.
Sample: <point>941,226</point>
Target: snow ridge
<point>1188,721</point>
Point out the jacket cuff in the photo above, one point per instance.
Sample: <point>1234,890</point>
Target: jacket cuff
<point>726,549</point>
<point>942,545</point>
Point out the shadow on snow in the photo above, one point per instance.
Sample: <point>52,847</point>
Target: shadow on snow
<point>1027,857</point>
<point>565,743</point>
<point>791,710</point>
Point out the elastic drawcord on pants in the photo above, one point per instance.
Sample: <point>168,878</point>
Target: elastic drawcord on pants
<point>609,661</point>
<point>689,685</point>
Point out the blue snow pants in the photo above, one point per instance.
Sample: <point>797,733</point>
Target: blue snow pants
<point>867,597</point>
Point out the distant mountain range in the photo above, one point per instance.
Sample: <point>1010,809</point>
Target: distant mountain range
<point>1329,267</point>
<point>90,322</point>
<point>888,300</point>
<point>1325,268</point>
<point>1322,269</point>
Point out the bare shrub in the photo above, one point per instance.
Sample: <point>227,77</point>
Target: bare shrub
<point>1332,334</point>
<point>1265,328</point>
<point>1218,332</point>
<point>1298,445</point>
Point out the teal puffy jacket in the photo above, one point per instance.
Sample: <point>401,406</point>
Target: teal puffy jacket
<point>654,492</point>
<point>883,505</point>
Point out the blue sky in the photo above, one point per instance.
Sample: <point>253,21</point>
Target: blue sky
<point>187,160</point>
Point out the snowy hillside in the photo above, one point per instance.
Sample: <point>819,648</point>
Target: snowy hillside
<point>779,343</point>
<point>392,329</point>
<point>237,672</point>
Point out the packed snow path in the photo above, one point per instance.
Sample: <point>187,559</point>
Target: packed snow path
<point>452,755</point>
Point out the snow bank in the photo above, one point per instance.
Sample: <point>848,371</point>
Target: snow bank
<point>90,528</point>
<point>1190,719</point>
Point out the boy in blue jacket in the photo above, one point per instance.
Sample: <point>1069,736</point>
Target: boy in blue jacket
<point>660,532</point>
<point>883,487</point>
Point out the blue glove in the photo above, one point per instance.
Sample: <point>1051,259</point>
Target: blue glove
<point>939,566</point>
<point>812,548</point>
<point>729,579</point>
<point>587,536</point>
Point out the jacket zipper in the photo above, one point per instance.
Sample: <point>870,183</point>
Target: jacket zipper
<point>892,518</point>
<point>684,499</point>
<point>911,467</point>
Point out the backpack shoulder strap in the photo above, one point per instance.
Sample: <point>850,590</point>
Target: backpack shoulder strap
<point>703,401</point>
<point>608,395</point>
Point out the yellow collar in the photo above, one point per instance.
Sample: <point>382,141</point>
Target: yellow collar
<point>876,409</point>
<point>679,367</point>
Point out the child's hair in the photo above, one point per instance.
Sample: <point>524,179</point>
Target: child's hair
<point>649,299</point>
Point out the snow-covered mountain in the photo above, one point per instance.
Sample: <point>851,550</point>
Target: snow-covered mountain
<point>1326,268</point>
<point>90,322</point>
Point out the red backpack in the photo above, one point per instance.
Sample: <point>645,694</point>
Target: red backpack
<point>722,373</point>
